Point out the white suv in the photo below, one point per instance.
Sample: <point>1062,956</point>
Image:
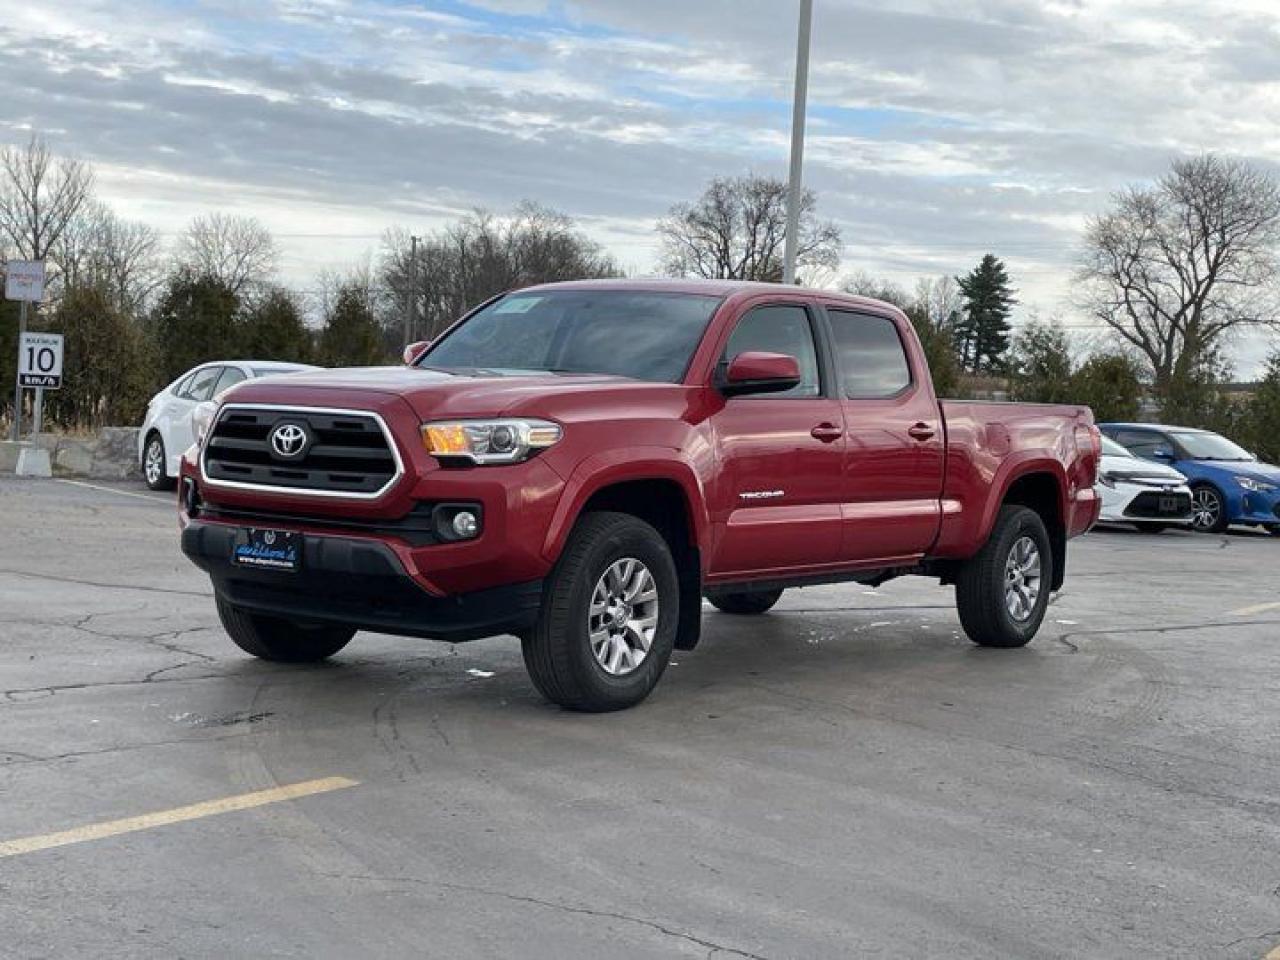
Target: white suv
<point>167,432</point>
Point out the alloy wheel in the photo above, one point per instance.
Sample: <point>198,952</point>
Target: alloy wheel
<point>154,462</point>
<point>1022,579</point>
<point>623,617</point>
<point>1206,508</point>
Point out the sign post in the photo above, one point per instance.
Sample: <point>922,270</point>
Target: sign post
<point>24,281</point>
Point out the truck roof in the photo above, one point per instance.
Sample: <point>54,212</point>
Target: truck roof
<point>712,288</point>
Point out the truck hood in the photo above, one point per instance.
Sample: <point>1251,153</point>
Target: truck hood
<point>436,394</point>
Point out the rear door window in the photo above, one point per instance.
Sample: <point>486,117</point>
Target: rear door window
<point>200,386</point>
<point>230,377</point>
<point>869,355</point>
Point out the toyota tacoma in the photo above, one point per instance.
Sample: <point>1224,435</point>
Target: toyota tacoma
<point>581,464</point>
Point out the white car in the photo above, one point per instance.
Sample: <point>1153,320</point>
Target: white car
<point>1150,496</point>
<point>166,431</point>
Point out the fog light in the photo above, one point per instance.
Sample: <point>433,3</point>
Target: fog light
<point>465,524</point>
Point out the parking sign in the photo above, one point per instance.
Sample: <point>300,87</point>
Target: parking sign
<point>40,360</point>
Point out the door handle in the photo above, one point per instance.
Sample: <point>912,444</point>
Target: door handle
<point>827,432</point>
<point>920,431</point>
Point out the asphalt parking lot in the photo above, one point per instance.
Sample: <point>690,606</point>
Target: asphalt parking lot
<point>844,777</point>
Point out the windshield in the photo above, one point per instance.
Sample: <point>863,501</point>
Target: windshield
<point>1210,446</point>
<point>637,334</point>
<point>1112,449</point>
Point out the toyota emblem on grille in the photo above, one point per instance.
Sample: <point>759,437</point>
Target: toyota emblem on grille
<point>289,440</point>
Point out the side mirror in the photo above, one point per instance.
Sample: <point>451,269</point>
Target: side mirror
<point>414,350</point>
<point>760,372</point>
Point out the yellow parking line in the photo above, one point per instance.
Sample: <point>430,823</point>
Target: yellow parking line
<point>1250,611</point>
<point>1273,955</point>
<point>162,818</point>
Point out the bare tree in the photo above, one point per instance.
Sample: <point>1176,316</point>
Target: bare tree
<point>940,301</point>
<point>122,257</point>
<point>1175,267</point>
<point>238,251</point>
<point>482,255</point>
<point>40,195</point>
<point>737,229</point>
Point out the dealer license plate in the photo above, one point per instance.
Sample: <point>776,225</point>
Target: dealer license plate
<point>268,549</point>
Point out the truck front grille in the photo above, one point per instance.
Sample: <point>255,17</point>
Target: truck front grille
<point>304,450</point>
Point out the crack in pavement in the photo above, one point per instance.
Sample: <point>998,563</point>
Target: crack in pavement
<point>711,945</point>
<point>29,758</point>
<point>106,586</point>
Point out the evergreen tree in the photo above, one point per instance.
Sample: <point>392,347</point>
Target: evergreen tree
<point>1262,414</point>
<point>194,321</point>
<point>1111,385</point>
<point>982,330</point>
<point>106,373</point>
<point>273,329</point>
<point>351,336</point>
<point>1041,365</point>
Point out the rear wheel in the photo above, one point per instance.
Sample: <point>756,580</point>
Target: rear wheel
<point>1275,531</point>
<point>154,464</point>
<point>609,616</point>
<point>745,604</point>
<point>284,641</point>
<point>1208,511</point>
<point>1002,592</point>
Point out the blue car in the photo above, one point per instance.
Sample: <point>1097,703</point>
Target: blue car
<point>1228,483</point>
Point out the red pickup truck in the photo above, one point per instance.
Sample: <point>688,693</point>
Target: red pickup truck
<point>580,464</point>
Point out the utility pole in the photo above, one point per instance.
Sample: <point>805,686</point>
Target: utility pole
<point>411,313</point>
<point>794,185</point>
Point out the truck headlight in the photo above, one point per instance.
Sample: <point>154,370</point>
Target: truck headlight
<point>1255,486</point>
<point>489,441</point>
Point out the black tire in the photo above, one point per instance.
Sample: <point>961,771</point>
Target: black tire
<point>1209,509</point>
<point>280,640</point>
<point>982,582</point>
<point>744,604</point>
<point>558,651</point>
<point>1274,531</point>
<point>154,447</point>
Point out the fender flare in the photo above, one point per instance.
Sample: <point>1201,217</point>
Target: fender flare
<point>1014,469</point>
<point>613,467</point>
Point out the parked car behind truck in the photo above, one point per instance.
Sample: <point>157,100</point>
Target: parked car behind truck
<point>578,464</point>
<point>167,429</point>
<point>1228,483</point>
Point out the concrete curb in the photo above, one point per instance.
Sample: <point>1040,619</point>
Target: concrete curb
<point>112,455</point>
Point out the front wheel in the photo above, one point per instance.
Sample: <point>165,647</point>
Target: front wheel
<point>1002,592</point>
<point>1208,511</point>
<point>745,604</point>
<point>284,641</point>
<point>154,470</point>
<point>609,616</point>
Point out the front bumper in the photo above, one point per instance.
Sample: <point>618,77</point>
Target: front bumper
<point>1141,503</point>
<point>1247,506</point>
<point>361,583</point>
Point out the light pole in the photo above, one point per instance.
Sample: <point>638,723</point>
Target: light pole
<point>411,313</point>
<point>794,186</point>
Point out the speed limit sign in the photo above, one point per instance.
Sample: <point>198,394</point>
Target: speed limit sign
<point>40,360</point>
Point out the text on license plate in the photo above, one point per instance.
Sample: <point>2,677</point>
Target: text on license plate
<point>268,549</point>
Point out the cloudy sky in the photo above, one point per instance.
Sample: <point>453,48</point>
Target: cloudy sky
<point>939,129</point>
